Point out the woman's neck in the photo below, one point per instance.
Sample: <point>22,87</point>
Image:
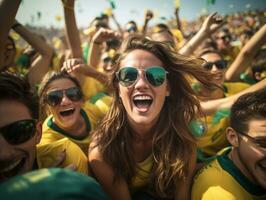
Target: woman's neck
<point>78,129</point>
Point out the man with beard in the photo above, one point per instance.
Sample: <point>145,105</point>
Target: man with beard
<point>240,172</point>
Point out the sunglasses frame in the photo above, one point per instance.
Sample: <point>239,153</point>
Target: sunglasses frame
<point>253,140</point>
<point>220,64</point>
<point>61,95</point>
<point>138,75</point>
<point>12,138</point>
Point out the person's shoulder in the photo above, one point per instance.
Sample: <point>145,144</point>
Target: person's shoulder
<point>212,169</point>
<point>48,154</point>
<point>208,182</point>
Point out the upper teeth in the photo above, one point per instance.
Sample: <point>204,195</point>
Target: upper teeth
<point>144,97</point>
<point>10,167</point>
<point>67,109</point>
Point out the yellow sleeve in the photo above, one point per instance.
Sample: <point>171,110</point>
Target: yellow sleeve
<point>217,193</point>
<point>48,154</point>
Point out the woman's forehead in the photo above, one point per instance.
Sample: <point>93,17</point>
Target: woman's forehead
<point>140,57</point>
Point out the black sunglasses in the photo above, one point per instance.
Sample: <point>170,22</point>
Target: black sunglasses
<point>127,76</point>
<point>55,97</point>
<point>261,142</point>
<point>225,37</point>
<point>220,64</point>
<point>19,132</point>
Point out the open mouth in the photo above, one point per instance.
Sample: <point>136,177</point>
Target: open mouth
<point>12,169</point>
<point>143,102</point>
<point>68,112</point>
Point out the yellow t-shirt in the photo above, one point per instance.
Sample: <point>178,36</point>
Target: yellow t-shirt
<point>47,155</point>
<point>222,180</point>
<point>91,87</point>
<point>142,177</point>
<point>52,132</point>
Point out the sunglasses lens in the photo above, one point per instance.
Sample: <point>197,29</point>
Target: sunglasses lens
<point>74,94</point>
<point>156,76</point>
<point>19,132</point>
<point>207,66</point>
<point>54,98</point>
<point>127,76</point>
<point>221,64</point>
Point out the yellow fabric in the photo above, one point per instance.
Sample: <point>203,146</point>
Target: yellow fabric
<point>178,34</point>
<point>143,174</point>
<point>91,87</point>
<point>94,115</point>
<point>234,87</point>
<point>232,53</point>
<point>212,182</point>
<point>47,155</point>
<point>214,138</point>
<point>104,104</point>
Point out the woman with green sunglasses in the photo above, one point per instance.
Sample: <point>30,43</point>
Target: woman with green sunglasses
<point>144,143</point>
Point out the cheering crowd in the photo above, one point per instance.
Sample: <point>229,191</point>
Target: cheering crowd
<point>169,111</point>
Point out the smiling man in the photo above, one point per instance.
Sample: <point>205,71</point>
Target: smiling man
<point>240,172</point>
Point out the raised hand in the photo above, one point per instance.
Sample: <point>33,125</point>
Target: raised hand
<point>148,15</point>
<point>74,65</point>
<point>103,35</point>
<point>212,23</point>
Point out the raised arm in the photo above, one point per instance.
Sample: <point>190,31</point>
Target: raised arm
<point>79,67</point>
<point>72,31</point>
<point>209,107</point>
<point>246,55</point>
<point>97,41</point>
<point>41,64</point>
<point>178,22</point>
<point>117,24</point>
<point>148,17</point>
<point>8,11</point>
<point>211,24</point>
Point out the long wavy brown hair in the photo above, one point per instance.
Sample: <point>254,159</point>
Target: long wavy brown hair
<point>172,143</point>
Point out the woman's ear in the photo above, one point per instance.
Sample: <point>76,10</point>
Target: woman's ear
<point>232,137</point>
<point>38,135</point>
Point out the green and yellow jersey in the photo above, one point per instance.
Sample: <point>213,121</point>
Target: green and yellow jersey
<point>47,155</point>
<point>221,179</point>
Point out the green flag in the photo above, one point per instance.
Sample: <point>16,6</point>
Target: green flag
<point>209,2</point>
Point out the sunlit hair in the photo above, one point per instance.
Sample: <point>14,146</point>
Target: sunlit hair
<point>172,143</point>
<point>247,107</point>
<point>44,85</point>
<point>17,88</point>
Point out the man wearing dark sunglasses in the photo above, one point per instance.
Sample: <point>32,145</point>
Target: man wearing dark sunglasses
<point>240,172</point>
<point>20,133</point>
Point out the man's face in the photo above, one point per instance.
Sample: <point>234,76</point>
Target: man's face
<point>16,159</point>
<point>251,154</point>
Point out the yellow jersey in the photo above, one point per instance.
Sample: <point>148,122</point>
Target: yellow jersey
<point>222,180</point>
<point>52,132</point>
<point>47,155</point>
<point>142,178</point>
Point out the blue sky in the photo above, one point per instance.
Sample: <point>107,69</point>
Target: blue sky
<point>127,10</point>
